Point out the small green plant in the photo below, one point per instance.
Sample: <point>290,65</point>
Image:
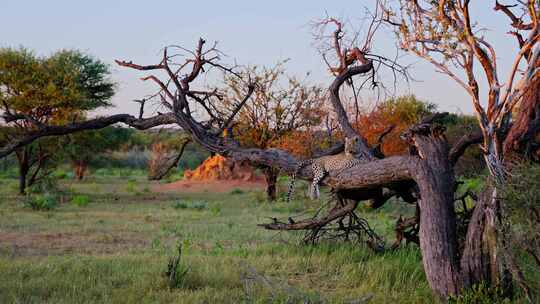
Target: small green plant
<point>259,196</point>
<point>61,174</point>
<point>215,209</point>
<point>237,191</point>
<point>199,205</point>
<point>80,200</point>
<point>196,205</point>
<point>176,273</point>
<point>481,294</point>
<point>180,205</point>
<point>130,186</point>
<point>176,176</point>
<point>41,202</point>
<point>46,184</point>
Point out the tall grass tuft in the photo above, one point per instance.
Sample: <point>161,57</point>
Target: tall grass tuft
<point>176,271</point>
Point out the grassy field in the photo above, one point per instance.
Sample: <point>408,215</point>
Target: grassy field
<point>115,249</point>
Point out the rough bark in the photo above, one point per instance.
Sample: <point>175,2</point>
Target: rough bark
<point>24,167</point>
<point>270,177</point>
<point>80,167</point>
<point>92,124</point>
<point>521,138</point>
<point>435,178</point>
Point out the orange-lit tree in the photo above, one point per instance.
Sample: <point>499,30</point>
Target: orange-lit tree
<point>281,112</point>
<point>400,113</point>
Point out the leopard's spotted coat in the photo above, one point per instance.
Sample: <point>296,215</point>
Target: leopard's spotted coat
<point>324,165</point>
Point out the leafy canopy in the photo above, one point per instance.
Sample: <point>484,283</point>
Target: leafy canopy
<point>53,89</point>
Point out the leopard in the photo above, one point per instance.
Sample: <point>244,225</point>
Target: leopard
<point>325,165</point>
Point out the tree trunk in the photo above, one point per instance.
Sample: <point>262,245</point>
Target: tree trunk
<point>438,241</point>
<point>80,168</point>
<point>24,167</point>
<point>525,125</point>
<point>270,176</point>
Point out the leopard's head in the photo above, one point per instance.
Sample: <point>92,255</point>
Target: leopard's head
<point>351,145</point>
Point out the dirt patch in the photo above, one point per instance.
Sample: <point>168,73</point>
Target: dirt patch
<point>220,186</point>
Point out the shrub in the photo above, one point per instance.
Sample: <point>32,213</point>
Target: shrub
<point>480,294</point>
<point>180,205</point>
<point>41,202</point>
<point>130,186</point>
<point>176,273</point>
<point>80,200</point>
<point>237,191</point>
<point>196,205</point>
<point>215,209</point>
<point>46,184</point>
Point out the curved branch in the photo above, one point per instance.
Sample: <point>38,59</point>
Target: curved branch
<point>313,223</point>
<point>338,106</point>
<point>462,144</point>
<point>92,124</point>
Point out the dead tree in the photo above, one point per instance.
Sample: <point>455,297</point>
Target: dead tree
<point>443,33</point>
<point>163,161</point>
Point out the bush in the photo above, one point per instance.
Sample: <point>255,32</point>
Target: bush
<point>480,294</point>
<point>176,271</point>
<point>46,184</point>
<point>61,174</point>
<point>237,191</point>
<point>41,202</point>
<point>130,186</point>
<point>196,205</point>
<point>80,200</point>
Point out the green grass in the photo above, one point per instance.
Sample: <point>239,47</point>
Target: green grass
<point>116,248</point>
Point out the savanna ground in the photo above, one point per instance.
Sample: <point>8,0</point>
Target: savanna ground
<point>114,248</point>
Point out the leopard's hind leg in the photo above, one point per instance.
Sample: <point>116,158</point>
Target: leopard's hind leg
<point>318,175</point>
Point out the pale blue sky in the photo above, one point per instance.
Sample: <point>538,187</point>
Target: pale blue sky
<point>251,32</point>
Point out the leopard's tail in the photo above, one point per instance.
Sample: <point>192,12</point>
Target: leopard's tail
<point>299,167</point>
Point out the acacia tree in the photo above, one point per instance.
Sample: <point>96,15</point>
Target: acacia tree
<point>40,91</point>
<point>443,33</point>
<point>84,147</point>
<point>281,106</point>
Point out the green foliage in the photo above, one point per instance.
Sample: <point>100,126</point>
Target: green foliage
<point>88,145</point>
<point>130,187</point>
<point>481,294</point>
<point>177,271</point>
<point>80,200</point>
<point>475,184</point>
<point>408,108</point>
<point>175,176</point>
<point>237,191</point>
<point>62,174</point>
<point>521,197</point>
<point>49,90</point>
<point>46,184</point>
<point>55,88</point>
<point>194,205</point>
<point>522,192</point>
<point>41,202</point>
